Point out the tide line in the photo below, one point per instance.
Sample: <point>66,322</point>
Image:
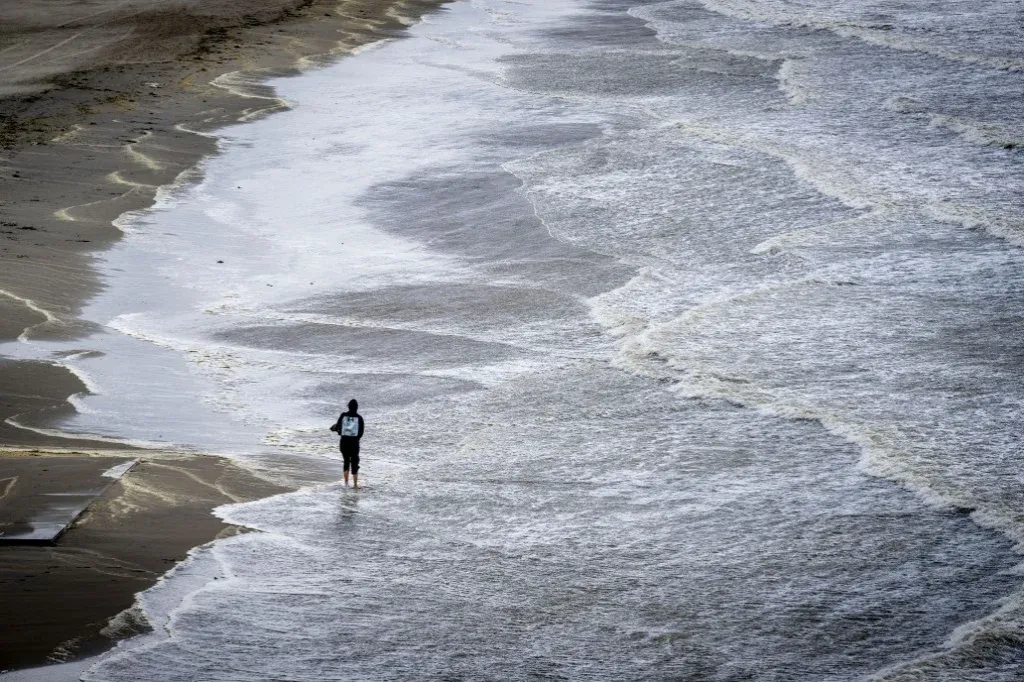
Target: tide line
<point>129,443</point>
<point>31,305</point>
<point>65,213</point>
<point>139,157</point>
<point>50,318</point>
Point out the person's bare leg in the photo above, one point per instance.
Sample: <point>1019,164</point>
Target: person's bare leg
<point>355,480</point>
<point>346,478</point>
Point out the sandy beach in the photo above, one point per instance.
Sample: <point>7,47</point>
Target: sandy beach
<point>100,105</point>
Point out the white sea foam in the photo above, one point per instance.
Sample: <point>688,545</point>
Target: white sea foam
<point>980,132</point>
<point>991,48</point>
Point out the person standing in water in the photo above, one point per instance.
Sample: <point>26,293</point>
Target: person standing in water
<point>350,427</point>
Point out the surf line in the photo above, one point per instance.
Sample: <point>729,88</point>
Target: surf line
<point>128,444</point>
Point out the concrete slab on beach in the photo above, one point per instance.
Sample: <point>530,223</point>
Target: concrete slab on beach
<point>40,497</point>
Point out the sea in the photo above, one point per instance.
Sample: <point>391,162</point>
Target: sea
<point>688,334</point>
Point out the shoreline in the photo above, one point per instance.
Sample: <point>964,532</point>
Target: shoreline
<point>83,142</point>
<point>89,132</point>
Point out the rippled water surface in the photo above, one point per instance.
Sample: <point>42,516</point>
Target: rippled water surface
<point>688,337</point>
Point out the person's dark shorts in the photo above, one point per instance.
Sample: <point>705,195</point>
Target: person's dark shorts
<point>350,456</point>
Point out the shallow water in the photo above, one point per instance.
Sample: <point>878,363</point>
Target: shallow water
<point>688,336</point>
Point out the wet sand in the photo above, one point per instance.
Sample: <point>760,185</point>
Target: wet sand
<point>58,600</point>
<point>42,497</point>
<point>100,105</point>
